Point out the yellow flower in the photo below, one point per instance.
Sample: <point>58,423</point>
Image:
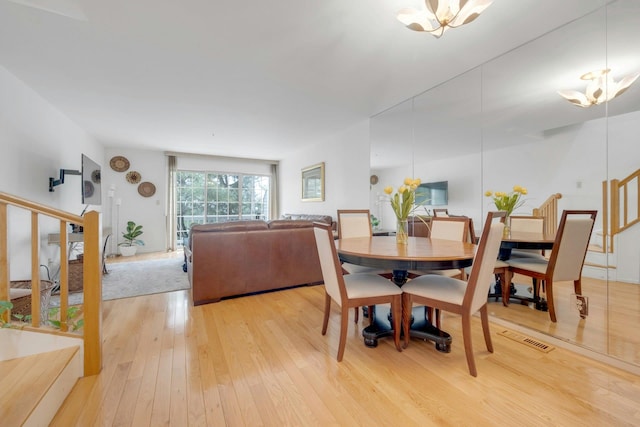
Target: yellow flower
<point>508,202</point>
<point>403,202</point>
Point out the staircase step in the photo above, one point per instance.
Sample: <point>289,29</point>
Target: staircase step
<point>596,265</point>
<point>33,387</point>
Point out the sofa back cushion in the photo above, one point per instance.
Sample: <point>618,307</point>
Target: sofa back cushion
<point>278,224</point>
<point>327,219</point>
<point>229,226</point>
<point>226,226</point>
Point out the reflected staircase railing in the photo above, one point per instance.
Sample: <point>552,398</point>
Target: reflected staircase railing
<point>623,209</point>
<point>549,210</point>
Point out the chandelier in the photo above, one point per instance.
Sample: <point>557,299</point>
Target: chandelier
<point>440,15</point>
<point>601,88</point>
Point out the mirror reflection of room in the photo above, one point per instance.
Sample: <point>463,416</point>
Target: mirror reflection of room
<point>505,124</point>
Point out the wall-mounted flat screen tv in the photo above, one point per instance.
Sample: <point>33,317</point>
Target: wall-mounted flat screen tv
<point>433,193</point>
<point>91,189</point>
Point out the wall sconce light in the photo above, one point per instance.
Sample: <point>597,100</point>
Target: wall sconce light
<point>601,88</point>
<point>440,15</point>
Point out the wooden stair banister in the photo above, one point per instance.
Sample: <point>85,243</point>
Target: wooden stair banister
<point>549,210</point>
<point>92,272</point>
<point>621,194</point>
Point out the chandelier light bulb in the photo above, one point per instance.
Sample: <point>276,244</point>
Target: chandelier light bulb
<point>440,15</point>
<point>600,88</point>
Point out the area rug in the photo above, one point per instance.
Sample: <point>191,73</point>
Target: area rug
<point>130,279</point>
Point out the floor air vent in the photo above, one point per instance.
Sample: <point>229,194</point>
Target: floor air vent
<point>546,348</point>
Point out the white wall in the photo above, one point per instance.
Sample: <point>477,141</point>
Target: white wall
<point>151,212</point>
<point>573,162</point>
<point>464,179</point>
<point>126,204</point>
<point>346,158</point>
<point>36,141</point>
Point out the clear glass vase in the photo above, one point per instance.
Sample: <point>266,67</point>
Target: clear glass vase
<point>507,227</point>
<point>402,232</point>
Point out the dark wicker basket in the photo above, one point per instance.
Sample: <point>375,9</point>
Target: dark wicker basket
<point>22,305</point>
<point>76,279</point>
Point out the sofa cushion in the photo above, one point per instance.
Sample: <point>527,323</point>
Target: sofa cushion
<point>229,226</point>
<point>289,223</point>
<point>327,219</point>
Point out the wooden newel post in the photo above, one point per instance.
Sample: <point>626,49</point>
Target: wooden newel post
<point>92,295</point>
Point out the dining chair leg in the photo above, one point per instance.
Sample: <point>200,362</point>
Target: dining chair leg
<point>468,346</point>
<point>344,325</point>
<point>371,313</point>
<point>484,316</point>
<point>327,309</point>
<point>550,305</point>
<point>577,286</point>
<point>406,317</point>
<point>396,315</point>
<point>356,316</point>
<point>505,285</point>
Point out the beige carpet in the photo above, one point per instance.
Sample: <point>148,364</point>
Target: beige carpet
<point>129,279</point>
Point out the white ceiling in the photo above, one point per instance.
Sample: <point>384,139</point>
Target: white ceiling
<point>244,78</point>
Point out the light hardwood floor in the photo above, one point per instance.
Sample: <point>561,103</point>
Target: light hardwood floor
<point>261,360</point>
<point>610,327</point>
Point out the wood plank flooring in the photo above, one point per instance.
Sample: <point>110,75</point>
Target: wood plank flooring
<point>610,327</point>
<point>262,361</point>
<point>29,378</point>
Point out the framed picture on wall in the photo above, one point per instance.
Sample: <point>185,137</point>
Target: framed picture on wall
<point>313,183</point>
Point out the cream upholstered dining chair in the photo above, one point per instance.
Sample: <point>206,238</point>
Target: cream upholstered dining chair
<point>356,223</point>
<point>447,228</point>
<point>458,296</point>
<point>352,290</point>
<point>567,256</point>
<point>527,224</point>
<point>441,212</point>
<point>519,223</point>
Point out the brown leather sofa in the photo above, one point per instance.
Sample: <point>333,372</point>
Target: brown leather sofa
<point>244,257</point>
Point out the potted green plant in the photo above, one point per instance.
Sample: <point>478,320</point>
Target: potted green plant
<point>131,242</point>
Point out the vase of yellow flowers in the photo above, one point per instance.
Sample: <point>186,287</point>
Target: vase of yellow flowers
<point>403,204</point>
<point>508,202</point>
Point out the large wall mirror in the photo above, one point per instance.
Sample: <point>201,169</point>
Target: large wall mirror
<point>504,124</point>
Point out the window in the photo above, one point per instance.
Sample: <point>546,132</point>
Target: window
<point>210,197</point>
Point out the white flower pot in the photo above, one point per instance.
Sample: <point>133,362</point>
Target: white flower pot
<point>128,250</point>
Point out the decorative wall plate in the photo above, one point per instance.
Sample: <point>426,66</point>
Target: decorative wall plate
<point>119,163</point>
<point>133,177</point>
<point>88,189</point>
<point>146,189</point>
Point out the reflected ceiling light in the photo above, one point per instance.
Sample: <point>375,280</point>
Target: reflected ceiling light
<point>601,88</point>
<point>440,15</point>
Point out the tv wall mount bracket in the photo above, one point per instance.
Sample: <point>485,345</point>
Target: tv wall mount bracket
<point>55,182</point>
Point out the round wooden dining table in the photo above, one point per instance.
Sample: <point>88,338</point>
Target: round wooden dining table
<point>421,253</point>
